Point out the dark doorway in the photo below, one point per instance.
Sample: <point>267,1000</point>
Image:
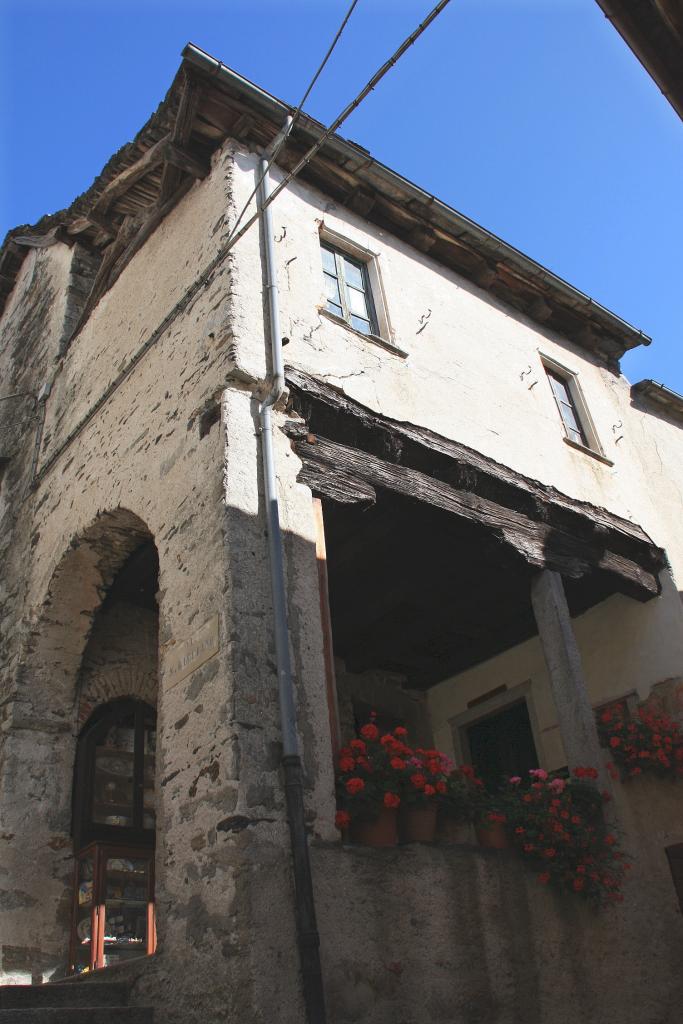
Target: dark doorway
<point>502,744</point>
<point>114,807</point>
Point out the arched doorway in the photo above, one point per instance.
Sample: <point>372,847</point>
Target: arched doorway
<point>113,809</point>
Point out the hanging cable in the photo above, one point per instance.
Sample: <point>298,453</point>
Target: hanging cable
<point>339,120</point>
<point>281,139</point>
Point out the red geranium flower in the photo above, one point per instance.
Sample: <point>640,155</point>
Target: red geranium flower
<point>429,790</point>
<point>544,878</point>
<point>418,780</point>
<point>397,764</point>
<point>391,800</point>
<point>347,764</point>
<point>369,731</point>
<point>358,745</point>
<point>354,785</point>
<point>342,819</point>
<point>400,731</point>
<point>441,786</point>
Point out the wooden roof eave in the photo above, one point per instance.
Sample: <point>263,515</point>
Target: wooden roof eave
<point>204,108</point>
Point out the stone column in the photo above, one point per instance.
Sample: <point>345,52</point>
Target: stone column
<point>561,653</point>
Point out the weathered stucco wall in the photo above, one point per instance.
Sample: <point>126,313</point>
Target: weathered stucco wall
<point>470,370</point>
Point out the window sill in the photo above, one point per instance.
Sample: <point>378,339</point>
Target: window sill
<point>374,338</point>
<point>588,451</point>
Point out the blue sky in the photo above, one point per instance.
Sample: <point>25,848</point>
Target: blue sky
<point>530,116</point>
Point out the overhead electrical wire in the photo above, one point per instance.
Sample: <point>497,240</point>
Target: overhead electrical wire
<point>295,117</point>
<point>338,121</point>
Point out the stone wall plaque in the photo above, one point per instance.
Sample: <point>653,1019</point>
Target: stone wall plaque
<point>186,656</point>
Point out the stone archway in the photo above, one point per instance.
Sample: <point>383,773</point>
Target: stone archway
<point>55,684</point>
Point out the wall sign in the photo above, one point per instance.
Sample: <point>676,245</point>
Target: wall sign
<point>188,655</point>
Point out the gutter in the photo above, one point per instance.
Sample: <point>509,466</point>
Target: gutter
<point>457,223</point>
<point>307,929</point>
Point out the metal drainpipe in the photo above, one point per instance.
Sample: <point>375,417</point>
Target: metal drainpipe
<point>307,929</point>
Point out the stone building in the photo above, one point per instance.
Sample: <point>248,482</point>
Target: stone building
<point>480,526</point>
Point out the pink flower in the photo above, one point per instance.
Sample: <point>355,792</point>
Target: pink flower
<point>515,780</point>
<point>539,773</point>
<point>557,785</point>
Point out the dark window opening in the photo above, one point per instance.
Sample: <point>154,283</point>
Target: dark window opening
<point>385,719</point>
<point>502,744</point>
<point>675,857</point>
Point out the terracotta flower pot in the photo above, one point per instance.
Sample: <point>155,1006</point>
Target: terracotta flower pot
<point>380,832</point>
<point>492,835</point>
<point>452,831</point>
<point>418,823</point>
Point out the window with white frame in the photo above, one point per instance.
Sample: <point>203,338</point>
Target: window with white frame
<point>348,292</point>
<point>571,406</point>
<point>566,407</point>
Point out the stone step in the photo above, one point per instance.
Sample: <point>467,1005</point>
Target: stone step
<point>79,1015</point>
<point>100,993</point>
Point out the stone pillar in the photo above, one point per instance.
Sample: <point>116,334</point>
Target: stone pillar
<point>561,653</point>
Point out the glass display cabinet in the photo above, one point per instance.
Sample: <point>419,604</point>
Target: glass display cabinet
<point>114,819</point>
<point>113,916</point>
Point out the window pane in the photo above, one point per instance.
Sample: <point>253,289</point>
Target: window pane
<point>357,303</point>
<point>113,782</point>
<point>83,919</point>
<point>328,260</point>
<point>574,435</point>
<point>332,290</point>
<point>360,324</point>
<point>559,389</point>
<point>354,275</point>
<point>148,796</point>
<point>569,417</point>
<point>567,408</point>
<point>126,895</point>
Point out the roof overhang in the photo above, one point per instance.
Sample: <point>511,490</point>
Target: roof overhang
<point>652,395</point>
<point>209,103</point>
<point>653,29</point>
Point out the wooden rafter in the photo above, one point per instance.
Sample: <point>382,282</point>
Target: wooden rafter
<point>119,185</point>
<point>178,168</point>
<point>180,136</point>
